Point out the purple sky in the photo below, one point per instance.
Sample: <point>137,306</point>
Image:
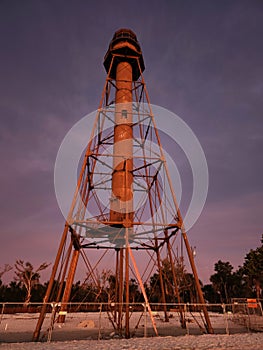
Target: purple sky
<point>203,62</point>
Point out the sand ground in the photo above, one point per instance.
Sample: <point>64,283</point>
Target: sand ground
<point>94,331</point>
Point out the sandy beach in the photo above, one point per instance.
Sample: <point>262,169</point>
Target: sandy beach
<point>94,331</point>
<point>252,341</point>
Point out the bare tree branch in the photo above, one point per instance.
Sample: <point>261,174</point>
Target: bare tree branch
<point>6,268</point>
<point>27,276</point>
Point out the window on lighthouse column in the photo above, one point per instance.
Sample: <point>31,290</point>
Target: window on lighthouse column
<point>124,113</point>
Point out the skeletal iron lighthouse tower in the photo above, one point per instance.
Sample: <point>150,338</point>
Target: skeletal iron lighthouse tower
<point>124,201</point>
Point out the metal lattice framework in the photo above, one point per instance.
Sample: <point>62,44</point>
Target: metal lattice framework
<point>124,200</point>
<point>154,203</point>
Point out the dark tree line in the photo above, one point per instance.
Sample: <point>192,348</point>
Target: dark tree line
<point>245,282</point>
<point>25,286</point>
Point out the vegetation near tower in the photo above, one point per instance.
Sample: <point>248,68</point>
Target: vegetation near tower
<point>253,269</point>
<point>245,282</point>
<point>6,268</point>
<point>27,276</point>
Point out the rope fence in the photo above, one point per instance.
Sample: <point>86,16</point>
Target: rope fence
<point>107,320</point>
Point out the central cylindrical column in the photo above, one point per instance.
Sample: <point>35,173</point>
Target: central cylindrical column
<point>121,212</point>
<point>124,64</point>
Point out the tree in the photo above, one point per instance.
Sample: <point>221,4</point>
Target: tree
<point>185,283</point>
<point>5,269</point>
<point>210,294</point>
<point>222,280</point>
<point>239,286</point>
<point>105,286</point>
<point>134,292</point>
<point>253,269</point>
<point>26,275</point>
<point>13,292</point>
